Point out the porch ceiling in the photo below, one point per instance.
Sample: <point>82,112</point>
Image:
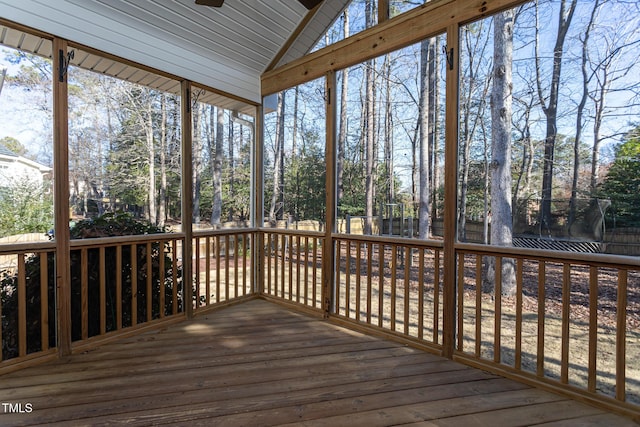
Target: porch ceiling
<point>225,48</point>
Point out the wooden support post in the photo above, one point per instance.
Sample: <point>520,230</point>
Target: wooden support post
<point>61,191</point>
<point>328,258</point>
<point>450,197</point>
<point>257,210</point>
<point>187,199</point>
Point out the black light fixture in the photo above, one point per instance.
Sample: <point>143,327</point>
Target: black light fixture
<point>309,4</point>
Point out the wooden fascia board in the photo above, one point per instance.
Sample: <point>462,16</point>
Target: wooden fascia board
<point>423,22</point>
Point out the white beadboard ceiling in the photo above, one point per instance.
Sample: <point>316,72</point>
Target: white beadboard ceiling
<point>225,48</point>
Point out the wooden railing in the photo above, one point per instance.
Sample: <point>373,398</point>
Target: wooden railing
<point>572,322</point>
<point>293,266</point>
<point>124,282</point>
<point>27,308</point>
<point>391,284</point>
<point>222,267</point>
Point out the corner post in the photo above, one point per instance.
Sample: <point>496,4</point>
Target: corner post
<point>187,198</point>
<point>328,256</point>
<point>61,191</point>
<point>450,196</point>
<point>258,203</point>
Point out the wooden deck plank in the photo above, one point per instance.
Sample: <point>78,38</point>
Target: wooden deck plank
<point>257,363</point>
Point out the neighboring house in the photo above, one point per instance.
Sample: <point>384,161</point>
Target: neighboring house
<point>16,169</point>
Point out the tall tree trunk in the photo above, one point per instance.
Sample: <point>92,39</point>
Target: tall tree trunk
<point>197,162</point>
<point>370,133</point>
<point>152,164</point>
<point>275,211</point>
<point>342,131</point>
<point>550,109</point>
<point>435,129</point>
<point>423,162</point>
<point>162,196</point>
<point>217,122</point>
<point>232,167</point>
<point>579,116</point>
<point>501,101</point>
<point>388,132</point>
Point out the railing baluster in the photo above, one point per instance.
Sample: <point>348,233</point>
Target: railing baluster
<point>497,338</point>
<point>174,268</point>
<point>621,336</point>
<point>44,303</point>
<point>134,284</point>
<point>161,285</point>
<point>119,273</point>
<point>394,262</point>
<point>519,285</point>
<point>306,270</point>
<point>149,292</point>
<point>369,281</point>
<point>218,252</point>
<point>421,311</point>
<point>207,269</point>
<point>566,306</point>
<point>541,317</point>
<point>593,328</point>
<point>478,339</point>
<point>358,280</point>
<point>407,285</point>
<point>381,252</point>
<point>227,287</point>
<point>196,271</point>
<point>283,251</point>
<point>314,280</point>
<point>236,281</point>
<point>436,295</point>
<point>103,291</point>
<point>84,292</point>
<point>460,331</point>
<point>338,276</point>
<point>22,307</point>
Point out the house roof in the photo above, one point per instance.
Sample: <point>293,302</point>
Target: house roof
<point>226,48</point>
<point>7,155</point>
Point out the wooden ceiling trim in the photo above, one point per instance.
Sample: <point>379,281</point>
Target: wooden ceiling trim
<point>292,38</point>
<point>411,27</point>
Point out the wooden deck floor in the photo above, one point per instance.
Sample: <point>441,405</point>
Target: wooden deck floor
<point>257,364</point>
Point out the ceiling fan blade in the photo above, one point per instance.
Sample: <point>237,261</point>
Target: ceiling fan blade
<point>212,3</point>
<point>310,4</point>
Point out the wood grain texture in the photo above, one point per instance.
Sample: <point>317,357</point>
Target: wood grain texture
<point>257,363</point>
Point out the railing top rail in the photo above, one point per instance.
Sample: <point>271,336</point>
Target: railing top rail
<point>557,256</point>
<point>116,240</point>
<point>291,232</point>
<point>222,232</point>
<point>403,241</point>
<point>13,248</point>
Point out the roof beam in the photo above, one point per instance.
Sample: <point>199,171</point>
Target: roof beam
<point>423,22</point>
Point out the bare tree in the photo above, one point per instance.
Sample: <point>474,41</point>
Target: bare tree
<point>216,119</point>
<point>342,131</point>
<point>162,196</point>
<point>579,116</point>
<point>426,49</point>
<point>275,211</point>
<point>550,105</point>
<point>501,106</point>
<point>369,137</point>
